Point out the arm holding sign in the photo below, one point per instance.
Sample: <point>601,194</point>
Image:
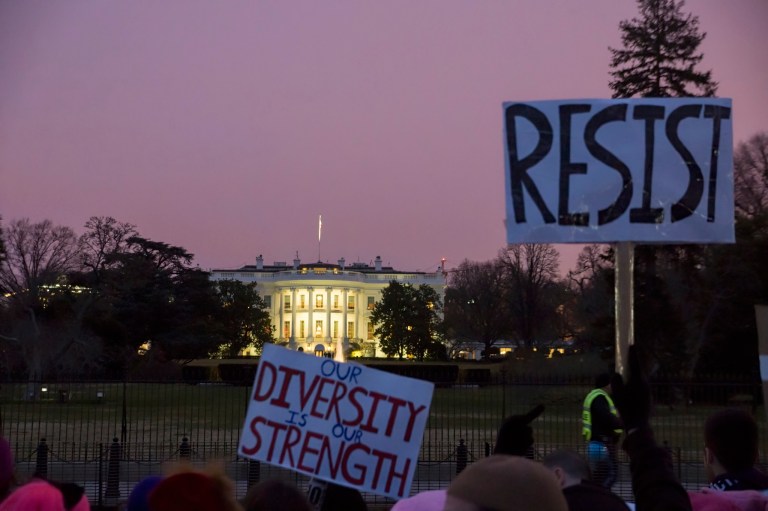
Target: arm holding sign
<point>653,479</point>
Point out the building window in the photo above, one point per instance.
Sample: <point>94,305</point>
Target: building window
<point>302,330</point>
<point>287,302</point>
<point>318,301</point>
<point>268,301</point>
<point>371,303</point>
<point>335,329</point>
<point>351,303</point>
<point>286,329</point>
<point>336,302</point>
<point>370,331</point>
<point>302,302</point>
<point>350,329</point>
<point>319,327</point>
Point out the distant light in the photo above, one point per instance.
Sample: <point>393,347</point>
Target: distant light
<point>44,389</point>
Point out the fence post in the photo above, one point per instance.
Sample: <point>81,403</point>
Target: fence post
<point>185,450</point>
<point>461,456</point>
<point>254,472</point>
<point>41,462</point>
<point>113,471</point>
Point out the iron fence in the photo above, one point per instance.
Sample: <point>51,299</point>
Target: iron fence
<point>107,436</point>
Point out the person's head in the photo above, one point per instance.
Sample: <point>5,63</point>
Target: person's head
<point>432,500</point>
<point>138,500</point>
<point>40,495</point>
<point>341,498</point>
<point>190,490</point>
<point>569,467</point>
<point>603,381</point>
<point>730,442</point>
<point>515,436</point>
<point>275,495</point>
<point>505,483</point>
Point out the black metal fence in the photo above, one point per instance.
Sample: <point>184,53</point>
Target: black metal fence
<point>107,436</point>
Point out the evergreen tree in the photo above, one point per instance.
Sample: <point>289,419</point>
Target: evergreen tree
<point>660,54</point>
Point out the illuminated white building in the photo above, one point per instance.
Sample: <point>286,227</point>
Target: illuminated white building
<point>320,307</point>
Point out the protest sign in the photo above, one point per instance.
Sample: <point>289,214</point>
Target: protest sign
<point>339,422</point>
<point>657,170</point>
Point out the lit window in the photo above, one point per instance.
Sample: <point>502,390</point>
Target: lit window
<point>371,303</point>
<point>335,301</point>
<point>351,303</point>
<point>286,329</point>
<point>302,302</point>
<point>318,301</point>
<point>287,302</point>
<point>335,329</point>
<point>302,330</point>
<point>319,327</point>
<point>370,331</point>
<point>350,329</point>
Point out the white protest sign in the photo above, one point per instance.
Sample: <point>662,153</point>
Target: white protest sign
<point>339,422</point>
<point>657,170</point>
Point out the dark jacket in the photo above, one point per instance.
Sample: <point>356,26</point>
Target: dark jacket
<point>654,483</point>
<point>750,479</point>
<point>604,423</point>
<point>589,496</point>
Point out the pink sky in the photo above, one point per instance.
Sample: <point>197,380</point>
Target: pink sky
<point>228,127</point>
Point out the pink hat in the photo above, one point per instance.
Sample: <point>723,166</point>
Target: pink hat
<point>425,501</point>
<point>40,496</point>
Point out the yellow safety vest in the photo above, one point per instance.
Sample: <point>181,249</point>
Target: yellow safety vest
<point>586,413</point>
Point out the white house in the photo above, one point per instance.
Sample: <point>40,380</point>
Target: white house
<point>321,307</point>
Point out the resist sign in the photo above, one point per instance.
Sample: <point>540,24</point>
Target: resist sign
<point>340,422</point>
<point>645,170</point>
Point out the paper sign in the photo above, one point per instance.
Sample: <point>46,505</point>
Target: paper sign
<point>339,422</point>
<point>657,170</point>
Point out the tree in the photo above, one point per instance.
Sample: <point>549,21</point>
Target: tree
<point>34,273</point>
<point>531,271</point>
<point>476,303</point>
<point>243,318</point>
<point>750,178</point>
<point>591,284</point>
<point>660,54</point>
<point>406,320</point>
<point>104,238</point>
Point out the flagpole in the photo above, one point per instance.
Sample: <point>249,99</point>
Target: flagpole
<point>319,235</point>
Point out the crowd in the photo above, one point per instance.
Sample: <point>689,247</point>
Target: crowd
<point>508,480</point>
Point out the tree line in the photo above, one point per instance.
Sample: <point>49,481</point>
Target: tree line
<point>89,305</point>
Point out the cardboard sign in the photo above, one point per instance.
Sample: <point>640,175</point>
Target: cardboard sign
<point>643,170</point>
<point>340,422</point>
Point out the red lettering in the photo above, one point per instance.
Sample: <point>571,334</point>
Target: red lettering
<point>368,426</point>
<point>356,404</point>
<point>319,398</point>
<point>306,449</point>
<point>264,368</point>
<point>291,439</point>
<point>326,449</point>
<point>276,427</point>
<point>289,374</point>
<point>250,451</point>
<point>396,404</point>
<point>412,420</point>
<point>361,467</point>
<point>391,473</point>
<point>338,393</point>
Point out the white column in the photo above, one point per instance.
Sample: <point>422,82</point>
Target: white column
<point>311,323</point>
<point>328,331</point>
<point>344,336</point>
<point>293,318</point>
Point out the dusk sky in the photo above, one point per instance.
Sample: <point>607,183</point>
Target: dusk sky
<point>227,127</point>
